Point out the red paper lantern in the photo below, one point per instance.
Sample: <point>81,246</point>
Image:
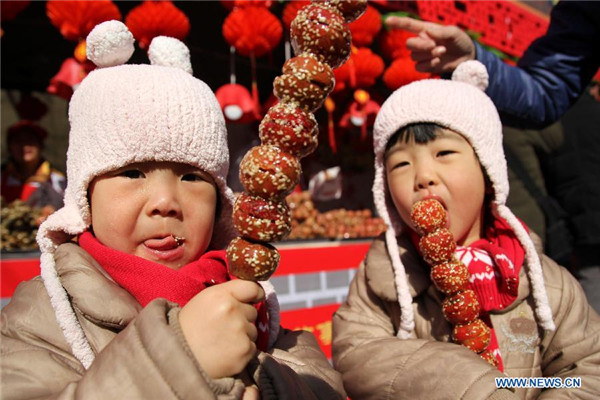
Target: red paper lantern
<point>360,71</point>
<point>156,18</point>
<point>252,30</point>
<point>393,43</point>
<point>237,104</point>
<point>290,11</point>
<point>365,28</point>
<point>230,5</point>
<point>401,72</point>
<point>69,76</point>
<point>75,19</point>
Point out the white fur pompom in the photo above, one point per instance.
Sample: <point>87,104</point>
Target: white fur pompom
<point>170,52</point>
<point>472,72</point>
<point>109,43</point>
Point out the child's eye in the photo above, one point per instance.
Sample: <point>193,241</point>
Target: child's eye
<point>132,174</point>
<point>192,177</point>
<point>400,164</point>
<point>445,152</point>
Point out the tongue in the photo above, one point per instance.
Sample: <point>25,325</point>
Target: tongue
<point>166,243</point>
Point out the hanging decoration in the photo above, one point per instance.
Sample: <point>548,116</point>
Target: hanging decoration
<point>290,10</point>
<point>361,71</point>
<point>366,27</point>
<point>287,16</point>
<point>75,20</point>
<point>393,43</point>
<point>401,72</point>
<point>250,40</point>
<point>69,76</point>
<point>361,113</point>
<point>156,18</point>
<point>237,103</point>
<point>257,38</point>
<point>230,5</point>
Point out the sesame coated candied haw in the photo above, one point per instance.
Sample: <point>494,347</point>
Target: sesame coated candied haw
<point>428,215</point>
<point>268,172</point>
<point>320,29</point>
<point>252,261</point>
<point>260,219</point>
<point>437,246</point>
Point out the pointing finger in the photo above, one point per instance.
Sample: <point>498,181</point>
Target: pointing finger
<point>406,23</point>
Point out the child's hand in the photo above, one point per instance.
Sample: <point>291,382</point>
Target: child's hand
<point>218,324</point>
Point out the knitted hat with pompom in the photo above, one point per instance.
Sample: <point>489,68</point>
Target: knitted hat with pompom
<point>460,105</point>
<point>123,114</point>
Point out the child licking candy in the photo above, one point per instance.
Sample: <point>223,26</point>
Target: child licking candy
<point>134,299</point>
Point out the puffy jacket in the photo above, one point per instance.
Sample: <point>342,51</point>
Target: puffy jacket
<point>377,365</point>
<point>552,73</point>
<point>140,353</point>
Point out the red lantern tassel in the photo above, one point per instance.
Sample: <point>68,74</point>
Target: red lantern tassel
<point>255,96</point>
<point>330,106</point>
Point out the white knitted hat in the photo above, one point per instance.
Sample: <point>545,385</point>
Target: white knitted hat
<point>460,105</point>
<point>122,114</point>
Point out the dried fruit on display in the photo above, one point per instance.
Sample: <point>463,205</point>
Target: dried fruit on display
<point>321,40</point>
<point>19,226</point>
<point>461,306</point>
<point>308,223</point>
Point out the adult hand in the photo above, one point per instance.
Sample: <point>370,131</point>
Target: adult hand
<point>218,324</point>
<point>437,48</point>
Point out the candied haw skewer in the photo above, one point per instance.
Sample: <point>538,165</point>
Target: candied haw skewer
<point>460,307</point>
<point>322,41</point>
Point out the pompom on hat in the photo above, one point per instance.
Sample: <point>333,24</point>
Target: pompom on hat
<point>123,114</point>
<point>460,105</point>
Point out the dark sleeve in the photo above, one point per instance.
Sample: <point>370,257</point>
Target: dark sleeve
<point>552,73</point>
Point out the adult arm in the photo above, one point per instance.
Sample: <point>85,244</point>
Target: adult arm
<point>549,77</point>
<point>552,73</point>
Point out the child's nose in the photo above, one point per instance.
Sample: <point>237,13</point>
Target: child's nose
<point>164,202</point>
<point>425,178</point>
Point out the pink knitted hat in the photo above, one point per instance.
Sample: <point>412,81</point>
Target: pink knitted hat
<point>121,114</point>
<point>461,105</point>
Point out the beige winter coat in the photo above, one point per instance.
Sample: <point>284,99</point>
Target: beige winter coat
<point>140,353</point>
<point>377,365</point>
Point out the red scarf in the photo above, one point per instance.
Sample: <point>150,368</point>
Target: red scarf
<point>146,280</point>
<point>494,264</point>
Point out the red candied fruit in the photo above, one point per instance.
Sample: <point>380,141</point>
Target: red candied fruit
<point>461,308</point>
<point>428,215</point>
<point>438,246</point>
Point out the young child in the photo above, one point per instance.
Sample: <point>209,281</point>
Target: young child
<point>443,140</point>
<point>140,308</point>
